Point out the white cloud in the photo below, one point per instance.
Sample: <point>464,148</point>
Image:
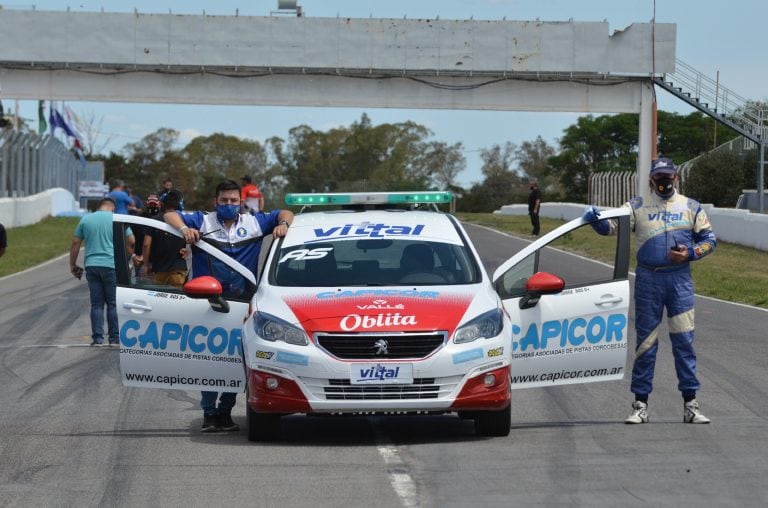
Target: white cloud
<point>187,135</point>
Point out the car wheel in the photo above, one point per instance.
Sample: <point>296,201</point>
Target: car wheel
<point>493,423</point>
<point>262,426</point>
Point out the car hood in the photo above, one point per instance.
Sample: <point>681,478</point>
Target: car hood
<point>360,310</point>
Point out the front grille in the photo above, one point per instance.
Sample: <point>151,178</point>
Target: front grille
<point>342,389</point>
<point>380,346</point>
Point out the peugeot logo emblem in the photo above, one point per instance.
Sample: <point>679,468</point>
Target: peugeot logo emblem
<point>381,346</point>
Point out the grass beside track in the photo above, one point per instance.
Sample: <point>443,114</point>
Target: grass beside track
<point>733,273</point>
<point>31,245</point>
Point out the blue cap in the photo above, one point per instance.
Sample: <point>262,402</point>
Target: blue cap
<point>663,166</point>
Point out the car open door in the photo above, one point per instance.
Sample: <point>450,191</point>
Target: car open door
<point>176,339</point>
<point>569,315</point>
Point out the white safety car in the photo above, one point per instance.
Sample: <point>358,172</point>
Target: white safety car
<point>380,305</point>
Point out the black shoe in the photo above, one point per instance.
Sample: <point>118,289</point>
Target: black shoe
<point>226,424</point>
<point>210,424</point>
<point>97,343</point>
<point>114,342</point>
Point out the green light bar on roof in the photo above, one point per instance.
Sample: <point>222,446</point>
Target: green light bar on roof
<point>368,198</point>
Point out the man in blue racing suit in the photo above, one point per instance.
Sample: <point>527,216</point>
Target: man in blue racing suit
<point>672,230</point>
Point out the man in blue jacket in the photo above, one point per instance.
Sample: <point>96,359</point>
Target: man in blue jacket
<point>239,235</point>
<point>672,230</point>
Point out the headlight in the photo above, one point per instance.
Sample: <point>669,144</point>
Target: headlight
<point>486,325</point>
<point>272,328</point>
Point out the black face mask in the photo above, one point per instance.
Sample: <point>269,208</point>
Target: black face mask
<point>664,187</point>
<point>153,211</point>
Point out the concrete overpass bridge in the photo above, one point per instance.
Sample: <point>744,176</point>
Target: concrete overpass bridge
<point>338,62</point>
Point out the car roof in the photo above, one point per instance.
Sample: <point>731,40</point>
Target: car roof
<point>332,225</point>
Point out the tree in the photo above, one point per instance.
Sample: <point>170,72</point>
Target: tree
<point>503,183</point>
<point>683,137</point>
<point>718,178</point>
<point>365,157</point>
<point>533,160</point>
<point>151,160</point>
<point>93,138</point>
<point>210,159</point>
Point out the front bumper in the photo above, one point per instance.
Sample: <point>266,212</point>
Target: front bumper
<point>276,390</point>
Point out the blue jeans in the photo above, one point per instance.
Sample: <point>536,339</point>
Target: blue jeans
<point>102,283</point>
<point>208,403</point>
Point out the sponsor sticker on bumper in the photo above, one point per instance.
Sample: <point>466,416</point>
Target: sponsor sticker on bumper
<point>381,373</point>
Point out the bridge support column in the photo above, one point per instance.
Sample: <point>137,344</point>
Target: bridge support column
<point>646,142</point>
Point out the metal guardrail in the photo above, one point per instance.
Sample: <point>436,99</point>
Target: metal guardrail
<point>30,164</point>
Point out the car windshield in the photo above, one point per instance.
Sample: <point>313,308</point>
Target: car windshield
<point>374,262</point>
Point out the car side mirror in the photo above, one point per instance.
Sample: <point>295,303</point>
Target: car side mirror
<point>539,284</point>
<point>209,288</point>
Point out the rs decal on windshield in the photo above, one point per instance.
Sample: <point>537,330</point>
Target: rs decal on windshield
<point>300,254</point>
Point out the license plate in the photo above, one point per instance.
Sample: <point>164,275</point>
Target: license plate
<point>381,374</point>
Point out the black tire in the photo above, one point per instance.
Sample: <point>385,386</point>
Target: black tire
<point>262,426</point>
<point>493,423</point>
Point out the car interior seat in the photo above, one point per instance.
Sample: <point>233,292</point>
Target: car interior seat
<point>417,257</point>
<point>322,271</point>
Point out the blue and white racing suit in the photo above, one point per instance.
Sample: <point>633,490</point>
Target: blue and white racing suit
<point>661,224</point>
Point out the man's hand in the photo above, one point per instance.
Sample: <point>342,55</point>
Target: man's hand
<point>680,255</point>
<point>190,235</point>
<point>76,271</point>
<point>592,215</point>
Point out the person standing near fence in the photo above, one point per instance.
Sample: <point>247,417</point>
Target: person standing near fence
<point>534,205</point>
<point>3,240</point>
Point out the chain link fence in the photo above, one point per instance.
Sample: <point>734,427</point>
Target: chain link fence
<point>30,164</point>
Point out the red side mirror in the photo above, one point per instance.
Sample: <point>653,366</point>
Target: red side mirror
<point>202,287</point>
<point>543,283</point>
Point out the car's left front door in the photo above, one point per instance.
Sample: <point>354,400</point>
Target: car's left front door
<point>170,340</point>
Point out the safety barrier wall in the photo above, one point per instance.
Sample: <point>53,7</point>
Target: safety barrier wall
<point>740,227</point>
<point>30,164</point>
<point>16,212</point>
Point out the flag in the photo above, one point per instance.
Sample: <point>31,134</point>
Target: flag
<point>42,125</point>
<point>73,120</point>
<point>60,122</point>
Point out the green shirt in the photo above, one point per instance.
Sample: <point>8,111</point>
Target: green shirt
<point>96,230</point>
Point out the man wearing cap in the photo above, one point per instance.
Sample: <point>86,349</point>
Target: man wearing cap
<point>672,230</point>
<point>250,195</point>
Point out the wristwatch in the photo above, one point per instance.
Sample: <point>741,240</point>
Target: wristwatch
<point>284,223</point>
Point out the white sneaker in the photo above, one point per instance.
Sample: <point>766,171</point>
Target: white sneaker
<point>692,413</point>
<point>639,413</point>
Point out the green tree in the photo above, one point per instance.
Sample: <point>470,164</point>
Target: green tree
<point>149,161</point>
<point>210,159</point>
<point>365,157</point>
<point>503,183</point>
<point>533,158</point>
<point>718,178</point>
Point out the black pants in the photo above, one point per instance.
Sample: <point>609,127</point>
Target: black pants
<point>535,223</point>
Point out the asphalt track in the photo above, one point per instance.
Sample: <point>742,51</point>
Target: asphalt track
<point>73,436</point>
